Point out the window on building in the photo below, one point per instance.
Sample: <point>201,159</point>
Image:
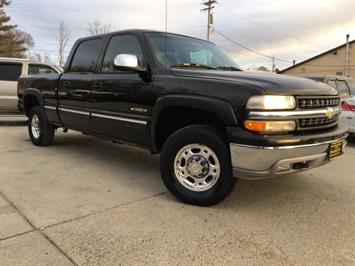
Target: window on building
<point>10,71</point>
<point>86,55</point>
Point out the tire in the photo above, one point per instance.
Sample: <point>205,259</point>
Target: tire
<point>176,167</point>
<point>41,132</point>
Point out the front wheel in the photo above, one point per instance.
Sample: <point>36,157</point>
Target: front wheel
<point>195,165</point>
<point>40,130</point>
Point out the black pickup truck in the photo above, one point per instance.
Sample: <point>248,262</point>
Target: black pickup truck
<point>184,98</point>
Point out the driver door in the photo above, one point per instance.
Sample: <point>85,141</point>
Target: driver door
<point>120,98</point>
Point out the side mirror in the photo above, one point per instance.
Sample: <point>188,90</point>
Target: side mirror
<point>127,62</point>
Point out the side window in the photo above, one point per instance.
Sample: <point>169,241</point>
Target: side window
<point>86,55</point>
<point>10,71</point>
<point>351,84</point>
<point>39,69</point>
<point>121,44</point>
<point>343,89</point>
<point>332,83</point>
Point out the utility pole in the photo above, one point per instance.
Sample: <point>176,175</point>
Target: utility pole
<point>346,71</point>
<point>166,15</point>
<point>208,8</point>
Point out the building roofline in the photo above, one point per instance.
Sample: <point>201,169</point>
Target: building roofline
<point>314,57</point>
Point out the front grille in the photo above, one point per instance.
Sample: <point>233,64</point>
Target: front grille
<point>317,102</point>
<point>317,122</point>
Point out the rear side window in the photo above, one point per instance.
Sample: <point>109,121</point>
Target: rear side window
<point>121,44</point>
<point>351,84</point>
<point>10,71</point>
<point>343,89</point>
<point>86,55</point>
<point>39,69</point>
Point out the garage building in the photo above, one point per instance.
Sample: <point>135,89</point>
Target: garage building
<point>331,62</point>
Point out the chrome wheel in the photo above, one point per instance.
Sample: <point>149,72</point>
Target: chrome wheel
<point>197,167</point>
<point>36,131</point>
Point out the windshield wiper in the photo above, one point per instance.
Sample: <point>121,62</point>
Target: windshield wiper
<point>228,68</point>
<point>193,65</point>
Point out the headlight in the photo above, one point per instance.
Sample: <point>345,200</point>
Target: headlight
<point>270,126</point>
<point>271,102</point>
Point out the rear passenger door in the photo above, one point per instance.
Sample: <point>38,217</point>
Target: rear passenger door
<point>9,74</point>
<point>120,98</point>
<point>75,85</point>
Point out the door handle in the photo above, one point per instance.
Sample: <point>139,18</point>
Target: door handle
<point>98,85</point>
<point>66,84</point>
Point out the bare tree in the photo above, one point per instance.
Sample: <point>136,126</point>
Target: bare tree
<point>41,57</point>
<point>96,27</point>
<point>63,38</point>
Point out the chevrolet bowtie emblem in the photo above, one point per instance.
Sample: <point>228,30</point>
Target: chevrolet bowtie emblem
<point>331,112</point>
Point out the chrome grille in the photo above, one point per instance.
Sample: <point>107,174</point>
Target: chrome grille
<point>316,122</point>
<point>317,102</point>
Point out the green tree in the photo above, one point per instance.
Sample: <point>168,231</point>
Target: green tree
<point>13,42</point>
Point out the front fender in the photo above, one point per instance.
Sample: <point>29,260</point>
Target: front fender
<point>222,109</point>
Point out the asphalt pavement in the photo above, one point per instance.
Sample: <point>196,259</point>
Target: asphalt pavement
<point>86,201</point>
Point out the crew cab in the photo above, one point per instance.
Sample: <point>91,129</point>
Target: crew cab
<point>184,98</point>
<point>10,71</point>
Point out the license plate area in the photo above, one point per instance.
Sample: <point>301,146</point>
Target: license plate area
<point>335,149</point>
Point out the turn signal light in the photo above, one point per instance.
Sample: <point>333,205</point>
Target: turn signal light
<point>270,126</point>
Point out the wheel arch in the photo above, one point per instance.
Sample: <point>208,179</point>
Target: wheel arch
<point>31,98</point>
<point>219,112</point>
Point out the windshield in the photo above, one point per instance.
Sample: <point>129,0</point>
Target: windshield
<point>179,51</point>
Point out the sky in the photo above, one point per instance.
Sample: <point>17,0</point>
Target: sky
<point>284,29</point>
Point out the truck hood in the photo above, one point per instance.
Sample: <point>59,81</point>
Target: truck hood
<point>270,83</point>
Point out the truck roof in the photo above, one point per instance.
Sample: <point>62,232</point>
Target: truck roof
<point>10,59</point>
<point>139,31</point>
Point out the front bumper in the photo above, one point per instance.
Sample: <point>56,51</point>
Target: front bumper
<point>263,161</point>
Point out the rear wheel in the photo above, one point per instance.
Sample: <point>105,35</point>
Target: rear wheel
<point>40,130</point>
<point>195,165</point>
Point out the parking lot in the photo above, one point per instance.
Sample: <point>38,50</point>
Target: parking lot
<point>89,201</point>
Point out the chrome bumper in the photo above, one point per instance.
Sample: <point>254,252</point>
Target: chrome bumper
<point>254,162</point>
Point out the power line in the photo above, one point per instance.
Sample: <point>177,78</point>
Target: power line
<point>285,36</point>
<point>247,48</point>
<point>272,57</point>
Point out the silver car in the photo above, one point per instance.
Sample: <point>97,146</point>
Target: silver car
<point>348,114</point>
<point>10,70</point>
<point>346,90</point>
